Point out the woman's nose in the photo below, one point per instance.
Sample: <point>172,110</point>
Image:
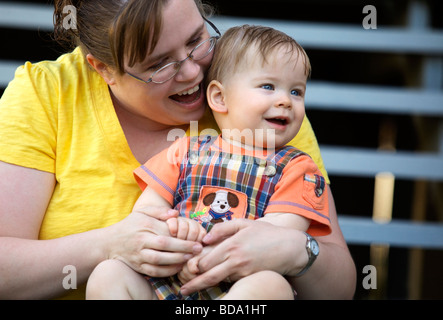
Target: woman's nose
<point>189,70</point>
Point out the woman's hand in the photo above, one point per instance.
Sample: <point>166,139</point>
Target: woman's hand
<point>187,229</point>
<point>142,241</point>
<point>243,247</point>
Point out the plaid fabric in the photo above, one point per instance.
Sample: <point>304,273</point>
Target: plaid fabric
<point>205,164</point>
<point>169,289</point>
<point>319,182</point>
<point>239,172</point>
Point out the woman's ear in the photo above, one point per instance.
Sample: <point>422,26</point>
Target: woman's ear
<point>216,97</point>
<point>101,68</point>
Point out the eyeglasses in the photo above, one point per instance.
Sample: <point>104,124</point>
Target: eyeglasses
<point>201,51</point>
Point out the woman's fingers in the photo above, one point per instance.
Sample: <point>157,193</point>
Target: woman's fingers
<point>218,267</point>
<point>158,258</point>
<point>222,231</point>
<point>170,244</point>
<point>144,242</point>
<point>235,253</point>
<point>156,261</point>
<point>207,279</point>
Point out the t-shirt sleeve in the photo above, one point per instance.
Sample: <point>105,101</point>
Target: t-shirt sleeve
<point>302,190</point>
<point>162,171</point>
<point>28,119</point>
<point>306,141</point>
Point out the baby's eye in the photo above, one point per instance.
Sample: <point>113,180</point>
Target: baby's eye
<point>267,86</point>
<point>296,92</point>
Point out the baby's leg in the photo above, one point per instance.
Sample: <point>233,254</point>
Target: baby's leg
<point>114,280</point>
<point>263,285</point>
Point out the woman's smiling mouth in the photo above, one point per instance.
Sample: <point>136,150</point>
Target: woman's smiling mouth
<point>187,96</point>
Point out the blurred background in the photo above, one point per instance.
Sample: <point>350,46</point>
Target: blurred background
<point>375,100</point>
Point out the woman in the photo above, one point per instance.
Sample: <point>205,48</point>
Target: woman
<point>72,131</point>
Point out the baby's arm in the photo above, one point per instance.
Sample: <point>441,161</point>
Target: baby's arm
<point>182,228</point>
<point>150,198</point>
<point>289,220</point>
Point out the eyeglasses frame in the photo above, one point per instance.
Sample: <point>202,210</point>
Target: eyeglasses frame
<point>179,63</point>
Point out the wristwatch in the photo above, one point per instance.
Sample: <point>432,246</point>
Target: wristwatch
<point>313,250</point>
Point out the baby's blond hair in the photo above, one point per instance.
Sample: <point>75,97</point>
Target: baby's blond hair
<point>236,42</point>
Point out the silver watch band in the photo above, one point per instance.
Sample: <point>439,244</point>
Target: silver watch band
<point>312,250</point>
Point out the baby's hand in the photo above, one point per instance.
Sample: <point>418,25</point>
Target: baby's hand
<point>190,270</point>
<point>186,229</point>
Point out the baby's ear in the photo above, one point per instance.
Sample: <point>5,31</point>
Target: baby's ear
<point>216,97</point>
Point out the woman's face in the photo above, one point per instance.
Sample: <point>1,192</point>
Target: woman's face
<point>181,99</point>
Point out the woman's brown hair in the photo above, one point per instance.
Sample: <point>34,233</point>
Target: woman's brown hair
<point>112,30</point>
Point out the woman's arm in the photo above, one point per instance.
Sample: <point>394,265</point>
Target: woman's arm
<point>235,253</point>
<point>31,268</point>
<point>333,274</point>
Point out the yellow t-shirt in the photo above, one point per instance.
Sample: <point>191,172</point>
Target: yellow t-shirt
<point>57,116</point>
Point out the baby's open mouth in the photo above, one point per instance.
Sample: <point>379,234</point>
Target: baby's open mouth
<point>279,121</point>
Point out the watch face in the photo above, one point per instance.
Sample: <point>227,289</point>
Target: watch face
<point>314,247</point>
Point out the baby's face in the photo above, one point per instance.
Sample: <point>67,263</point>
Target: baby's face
<point>267,99</point>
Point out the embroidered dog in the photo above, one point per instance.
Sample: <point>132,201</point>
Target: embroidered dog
<point>220,203</point>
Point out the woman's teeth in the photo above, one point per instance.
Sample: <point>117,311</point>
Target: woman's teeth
<point>190,91</point>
